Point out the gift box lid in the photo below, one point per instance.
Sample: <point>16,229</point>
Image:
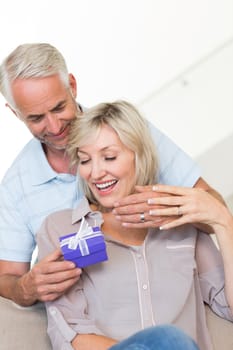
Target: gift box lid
<point>85,246</point>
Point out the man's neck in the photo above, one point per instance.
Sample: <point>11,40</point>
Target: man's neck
<point>59,160</point>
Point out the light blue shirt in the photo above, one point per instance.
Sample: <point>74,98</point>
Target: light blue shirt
<point>31,190</point>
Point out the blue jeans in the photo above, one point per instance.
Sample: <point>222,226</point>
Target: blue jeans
<point>165,337</point>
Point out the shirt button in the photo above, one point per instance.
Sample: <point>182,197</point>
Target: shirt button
<point>52,311</point>
<point>144,286</point>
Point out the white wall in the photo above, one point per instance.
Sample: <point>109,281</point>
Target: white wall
<point>130,49</point>
<point>196,111</point>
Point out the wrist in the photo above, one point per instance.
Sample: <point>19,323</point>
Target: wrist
<point>23,291</point>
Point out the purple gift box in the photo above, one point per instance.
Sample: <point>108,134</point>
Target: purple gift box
<point>85,247</point>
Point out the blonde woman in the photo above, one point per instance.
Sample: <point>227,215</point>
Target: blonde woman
<point>152,276</point>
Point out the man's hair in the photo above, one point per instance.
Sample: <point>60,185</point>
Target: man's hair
<point>31,61</point>
<point>132,130</point>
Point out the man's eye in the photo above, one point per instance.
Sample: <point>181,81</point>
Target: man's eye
<point>36,119</point>
<point>59,109</point>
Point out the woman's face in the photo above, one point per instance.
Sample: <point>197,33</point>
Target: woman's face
<point>107,166</point>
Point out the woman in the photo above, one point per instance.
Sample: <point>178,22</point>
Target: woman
<point>152,276</point>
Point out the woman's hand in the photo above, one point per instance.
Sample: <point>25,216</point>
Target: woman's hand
<point>188,205</point>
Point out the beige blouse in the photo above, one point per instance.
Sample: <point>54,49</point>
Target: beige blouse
<point>166,280</point>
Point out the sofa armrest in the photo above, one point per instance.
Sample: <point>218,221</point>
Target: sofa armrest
<point>221,330</point>
<point>23,327</point>
<point>26,328</point>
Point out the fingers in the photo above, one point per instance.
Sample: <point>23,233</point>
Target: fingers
<point>54,256</point>
<point>135,220</point>
<point>51,291</point>
<point>154,223</point>
<point>147,203</point>
<point>133,209</point>
<point>172,190</point>
<point>136,198</point>
<point>54,272</point>
<point>170,211</point>
<point>142,189</point>
<point>166,207</point>
<point>168,189</point>
<point>50,277</point>
<point>173,224</point>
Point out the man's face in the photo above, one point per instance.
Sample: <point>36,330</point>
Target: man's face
<point>47,108</point>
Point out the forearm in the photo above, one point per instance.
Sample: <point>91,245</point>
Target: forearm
<point>12,287</point>
<point>203,185</point>
<point>224,234</point>
<point>216,195</point>
<point>92,341</point>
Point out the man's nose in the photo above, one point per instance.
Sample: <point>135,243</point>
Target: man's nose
<point>53,124</point>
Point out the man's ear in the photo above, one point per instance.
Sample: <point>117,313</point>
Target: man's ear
<point>73,85</point>
<point>12,110</point>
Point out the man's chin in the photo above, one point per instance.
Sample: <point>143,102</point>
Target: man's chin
<point>52,145</point>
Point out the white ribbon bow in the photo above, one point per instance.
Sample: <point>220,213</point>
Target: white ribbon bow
<point>79,239</point>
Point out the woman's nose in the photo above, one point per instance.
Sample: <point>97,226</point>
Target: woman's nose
<point>98,170</point>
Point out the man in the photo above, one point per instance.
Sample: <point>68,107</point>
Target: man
<point>39,90</point>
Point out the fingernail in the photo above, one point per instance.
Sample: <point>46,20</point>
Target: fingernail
<point>161,228</point>
<point>152,212</point>
<point>150,201</point>
<point>155,188</point>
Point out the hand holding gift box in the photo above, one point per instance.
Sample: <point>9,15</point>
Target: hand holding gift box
<point>85,247</point>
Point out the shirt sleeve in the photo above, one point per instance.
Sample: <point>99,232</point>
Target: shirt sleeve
<point>176,167</point>
<point>211,276</point>
<point>16,240</point>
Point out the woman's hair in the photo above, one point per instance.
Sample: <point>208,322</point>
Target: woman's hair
<point>132,130</point>
<point>31,61</point>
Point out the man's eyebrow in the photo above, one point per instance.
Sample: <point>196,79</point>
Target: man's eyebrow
<point>59,105</point>
<point>54,109</point>
<point>34,116</point>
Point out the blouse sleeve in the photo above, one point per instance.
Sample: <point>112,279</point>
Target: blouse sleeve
<point>67,315</point>
<point>211,276</point>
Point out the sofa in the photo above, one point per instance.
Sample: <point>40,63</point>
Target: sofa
<point>25,328</point>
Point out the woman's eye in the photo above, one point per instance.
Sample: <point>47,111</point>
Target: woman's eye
<point>84,161</point>
<point>110,158</point>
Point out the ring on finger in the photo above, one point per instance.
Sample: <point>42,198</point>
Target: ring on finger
<point>179,211</point>
<point>142,217</point>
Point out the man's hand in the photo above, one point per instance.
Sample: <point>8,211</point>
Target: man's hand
<point>144,209</point>
<point>46,281</point>
<point>134,210</point>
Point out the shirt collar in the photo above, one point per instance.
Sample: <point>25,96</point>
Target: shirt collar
<point>84,210</point>
<point>40,169</point>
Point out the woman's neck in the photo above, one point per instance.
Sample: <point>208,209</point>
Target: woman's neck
<point>113,227</point>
